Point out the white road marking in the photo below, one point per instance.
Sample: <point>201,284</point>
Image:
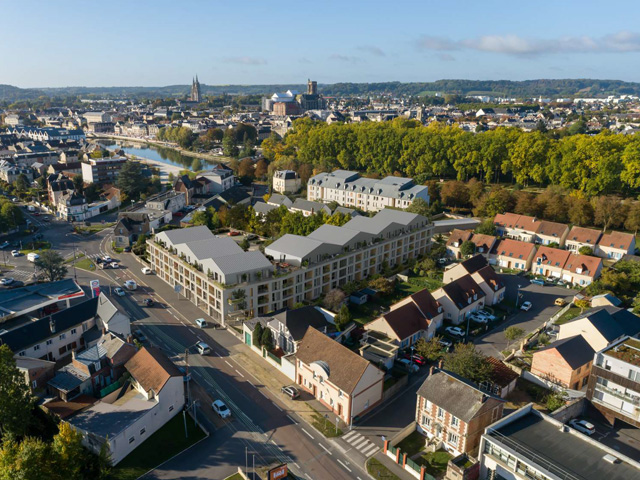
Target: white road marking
<point>228,364</point>
<point>290,418</point>
<point>276,405</point>
<point>238,372</point>
<point>263,394</point>
<point>192,332</point>
<point>360,443</point>
<point>369,450</point>
<point>347,468</point>
<point>308,434</point>
<point>325,448</point>
<point>298,466</point>
<point>350,434</point>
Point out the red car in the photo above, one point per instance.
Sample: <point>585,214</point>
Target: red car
<point>417,359</point>
<point>233,233</point>
<point>178,214</point>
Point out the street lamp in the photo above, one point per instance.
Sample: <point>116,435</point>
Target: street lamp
<point>518,295</point>
<point>411,368</point>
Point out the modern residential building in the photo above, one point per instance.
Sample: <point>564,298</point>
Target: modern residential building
<point>453,412</point>
<point>565,362</point>
<point>528,444</point>
<point>512,254</point>
<point>370,195</point>
<point>125,418</point>
<point>222,279</point>
<point>286,181</point>
<point>582,237</point>
<point>340,379</point>
<point>455,241</point>
<point>102,170</point>
<point>601,326</point>
<point>460,298</point>
<point>616,245</point>
<point>415,317</point>
<point>530,229</point>
<point>614,384</point>
<point>482,273</point>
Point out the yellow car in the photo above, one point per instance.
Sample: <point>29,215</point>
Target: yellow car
<point>560,302</point>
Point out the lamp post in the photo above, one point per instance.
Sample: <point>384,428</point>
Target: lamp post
<point>411,360</point>
<point>518,295</point>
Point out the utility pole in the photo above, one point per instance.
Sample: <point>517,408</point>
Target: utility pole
<point>184,417</point>
<point>186,359</point>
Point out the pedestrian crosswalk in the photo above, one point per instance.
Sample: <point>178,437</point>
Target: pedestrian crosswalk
<point>360,443</point>
<point>20,275</point>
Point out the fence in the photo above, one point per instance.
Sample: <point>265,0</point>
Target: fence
<point>110,388</point>
<point>273,357</point>
<point>403,461</point>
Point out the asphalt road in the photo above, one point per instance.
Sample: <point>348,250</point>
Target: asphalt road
<point>260,423</point>
<point>542,299</point>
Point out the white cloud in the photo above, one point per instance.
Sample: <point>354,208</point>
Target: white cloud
<point>373,50</point>
<point>623,41</point>
<point>344,58</point>
<point>245,60</point>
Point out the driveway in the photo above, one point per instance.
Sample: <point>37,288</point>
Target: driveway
<point>542,298</point>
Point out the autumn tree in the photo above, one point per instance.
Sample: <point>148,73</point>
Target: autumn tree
<point>467,248</point>
<point>382,285</point>
<point>333,299</point>
<point>468,362</point>
<point>455,194</point>
<point>16,401</point>
<point>608,211</point>
<point>430,349</point>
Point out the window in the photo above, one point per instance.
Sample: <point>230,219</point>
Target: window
<point>36,347</point>
<point>452,438</point>
<point>49,342</point>
<point>73,331</point>
<point>454,421</point>
<point>21,354</point>
<point>171,408</point>
<point>63,336</point>
<point>143,430</point>
<point>132,439</point>
<point>440,413</point>
<point>426,421</point>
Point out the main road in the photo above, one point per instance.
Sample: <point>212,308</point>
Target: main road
<point>262,424</point>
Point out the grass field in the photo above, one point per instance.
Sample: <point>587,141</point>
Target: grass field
<point>86,264</point>
<point>568,315</point>
<point>379,471</point>
<point>161,446</point>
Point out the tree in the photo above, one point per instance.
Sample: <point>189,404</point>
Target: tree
<point>343,317</point>
<point>555,401</point>
<point>419,206</point>
<point>266,339</point>
<point>608,211</point>
<point>469,363</point>
<point>467,248</point>
<point>16,401</point>
<point>580,212</point>
<point>585,251</point>
<point>582,304</point>
<point>486,227</point>
<point>229,145</point>
<point>201,218</point>
<point>92,192</point>
<point>246,169</point>
<point>196,165</point>
<point>71,457</point>
<point>633,218</point>
<point>382,285</point>
<point>257,334</point>
<point>333,299</point>
<point>454,194</point>
<point>261,168</point>
<point>431,349</point>
<point>78,183</point>
<point>131,180</point>
<point>30,459</point>
<point>512,334</point>
<point>51,263</point>
<point>22,183</point>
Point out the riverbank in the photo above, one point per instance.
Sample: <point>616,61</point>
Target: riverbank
<point>169,146</point>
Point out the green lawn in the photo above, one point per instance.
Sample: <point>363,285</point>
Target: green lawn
<point>435,462</point>
<point>378,471</point>
<point>35,247</point>
<point>94,228</point>
<point>325,426</point>
<point>86,264</point>
<point>568,315</point>
<point>412,444</point>
<point>161,446</point>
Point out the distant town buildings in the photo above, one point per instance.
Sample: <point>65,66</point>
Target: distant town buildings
<point>195,91</point>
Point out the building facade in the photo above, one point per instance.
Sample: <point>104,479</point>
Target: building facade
<point>102,170</point>
<point>286,181</point>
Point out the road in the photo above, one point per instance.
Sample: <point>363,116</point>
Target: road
<point>261,422</point>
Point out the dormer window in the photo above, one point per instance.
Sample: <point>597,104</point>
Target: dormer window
<point>475,296</point>
<point>579,270</point>
<point>469,300</point>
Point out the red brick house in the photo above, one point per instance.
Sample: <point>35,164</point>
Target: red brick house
<point>565,362</point>
<point>453,413</point>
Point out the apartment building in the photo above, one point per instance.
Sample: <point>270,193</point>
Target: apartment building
<point>614,384</point>
<point>370,195</point>
<point>286,181</point>
<point>223,280</point>
<point>528,444</point>
<point>102,170</point>
<point>452,412</point>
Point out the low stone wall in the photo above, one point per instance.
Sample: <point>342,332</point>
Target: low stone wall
<point>395,388</point>
<point>404,433</point>
<point>571,410</point>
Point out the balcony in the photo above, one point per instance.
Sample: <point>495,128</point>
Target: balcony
<point>633,399</point>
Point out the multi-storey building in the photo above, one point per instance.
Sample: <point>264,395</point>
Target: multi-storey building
<point>614,384</point>
<point>286,181</point>
<point>224,281</point>
<point>102,170</point>
<point>370,195</point>
<point>529,445</point>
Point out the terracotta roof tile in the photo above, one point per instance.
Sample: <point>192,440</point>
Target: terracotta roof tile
<point>553,257</point>
<point>458,236</point>
<point>513,248</point>
<point>151,368</point>
<point>618,240</point>
<point>584,235</point>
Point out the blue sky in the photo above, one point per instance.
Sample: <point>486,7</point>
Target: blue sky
<point>153,43</point>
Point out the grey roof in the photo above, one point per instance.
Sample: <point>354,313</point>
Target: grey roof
<point>569,455</point>
<point>213,248</point>
<point>611,298</point>
<point>68,378</point>
<point>611,322</point>
<point>186,235</point>
<point>309,206</point>
<point>347,211</point>
<point>294,245</point>
<point>242,262</point>
<point>441,226</point>
<point>300,319</point>
<point>92,354</point>
<point>333,234</point>
<point>394,187</point>
<point>456,395</point>
<point>278,199</point>
<point>264,208</point>
<point>32,296</point>
<point>576,351</point>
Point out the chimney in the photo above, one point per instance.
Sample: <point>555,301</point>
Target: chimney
<point>104,330</point>
<point>129,338</point>
<point>440,364</point>
<point>52,325</point>
<point>73,354</point>
<point>431,369</point>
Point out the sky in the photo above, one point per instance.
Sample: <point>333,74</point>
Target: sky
<point>156,43</point>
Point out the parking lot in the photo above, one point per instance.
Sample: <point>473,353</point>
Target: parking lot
<point>621,437</point>
<point>542,299</point>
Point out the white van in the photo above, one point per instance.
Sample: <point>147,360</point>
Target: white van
<point>203,348</point>
<point>32,257</point>
<point>130,285</point>
<point>201,322</point>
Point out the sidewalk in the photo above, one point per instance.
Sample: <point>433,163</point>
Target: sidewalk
<point>392,466</point>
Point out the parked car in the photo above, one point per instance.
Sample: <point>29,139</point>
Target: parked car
<point>407,365</point>
<point>537,281</point>
<point>127,249</point>
<point>487,314</point>
<point>559,302</point>
<point>201,322</point>
<point>221,409</point>
<point>15,253</point>
<point>291,391</point>
<point>6,281</point>
<point>138,335</point>
<point>148,302</point>
<point>417,359</point>
<point>526,306</point>
<point>114,265</point>
<point>32,257</point>
<point>107,259</point>
<point>478,318</point>
<point>583,426</point>
<point>4,245</point>
<point>455,331</point>
<point>147,270</point>
<point>445,343</point>
<point>119,292</point>
<point>203,348</point>
<point>98,260</point>
<point>233,233</point>
<point>178,214</point>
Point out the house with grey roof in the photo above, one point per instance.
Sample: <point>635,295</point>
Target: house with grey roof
<point>367,194</point>
<point>308,207</point>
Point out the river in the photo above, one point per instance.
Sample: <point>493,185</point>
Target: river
<point>157,154</point>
